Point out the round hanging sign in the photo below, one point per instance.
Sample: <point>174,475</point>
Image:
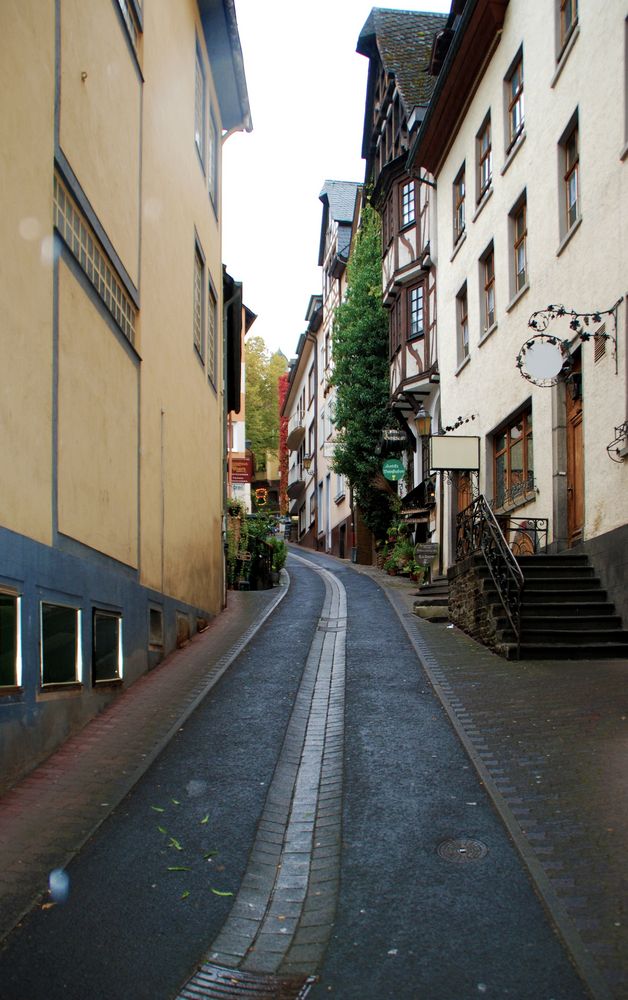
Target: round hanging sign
<point>542,358</point>
<point>393,469</point>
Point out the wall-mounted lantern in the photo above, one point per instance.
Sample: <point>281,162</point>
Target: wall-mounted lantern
<point>423,424</point>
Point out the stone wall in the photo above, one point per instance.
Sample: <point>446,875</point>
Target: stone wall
<point>470,607</point>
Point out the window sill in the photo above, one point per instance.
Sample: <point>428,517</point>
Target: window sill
<point>461,240</point>
<point>53,690</point>
<point>109,682</point>
<point>564,54</point>
<point>339,498</point>
<point>624,153</point>
<point>567,237</point>
<point>521,501</point>
<point>487,333</point>
<point>463,364</point>
<point>514,300</point>
<point>512,152</point>
<point>10,689</point>
<point>482,202</point>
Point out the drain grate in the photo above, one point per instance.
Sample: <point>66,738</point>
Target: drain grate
<point>212,982</point>
<point>463,850</point>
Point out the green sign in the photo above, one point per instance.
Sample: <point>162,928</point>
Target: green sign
<point>393,468</point>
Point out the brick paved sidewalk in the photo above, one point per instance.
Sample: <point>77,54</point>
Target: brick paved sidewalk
<point>47,817</point>
<point>549,739</point>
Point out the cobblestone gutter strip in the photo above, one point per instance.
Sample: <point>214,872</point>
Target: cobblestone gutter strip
<point>282,917</point>
<point>50,814</point>
<point>581,957</point>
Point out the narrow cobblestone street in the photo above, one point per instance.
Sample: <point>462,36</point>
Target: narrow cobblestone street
<point>322,785</point>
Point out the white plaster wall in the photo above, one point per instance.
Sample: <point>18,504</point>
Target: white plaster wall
<point>589,273</point>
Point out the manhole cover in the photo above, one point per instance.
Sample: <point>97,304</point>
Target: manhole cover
<point>462,850</point>
<point>214,981</point>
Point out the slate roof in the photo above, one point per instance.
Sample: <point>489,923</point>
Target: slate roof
<point>403,40</point>
<point>338,197</point>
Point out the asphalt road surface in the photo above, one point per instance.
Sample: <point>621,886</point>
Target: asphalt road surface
<point>417,915</point>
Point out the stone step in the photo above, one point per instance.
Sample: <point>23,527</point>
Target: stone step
<point>577,610</point>
<point>577,637</point>
<point>566,651</point>
<point>561,583</point>
<point>567,622</point>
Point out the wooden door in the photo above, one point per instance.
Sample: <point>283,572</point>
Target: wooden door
<point>575,458</point>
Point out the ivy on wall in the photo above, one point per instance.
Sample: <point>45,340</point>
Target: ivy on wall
<point>361,377</point>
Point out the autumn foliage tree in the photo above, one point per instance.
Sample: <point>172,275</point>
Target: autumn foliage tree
<point>361,376</point>
<point>263,371</point>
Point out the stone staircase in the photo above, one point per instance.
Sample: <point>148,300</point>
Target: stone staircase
<point>565,613</point>
<point>432,600</point>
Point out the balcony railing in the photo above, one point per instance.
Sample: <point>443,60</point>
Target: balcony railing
<point>296,430</point>
<point>296,480</point>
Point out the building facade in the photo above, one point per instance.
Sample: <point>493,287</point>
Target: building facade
<point>319,497</point>
<point>111,547</point>
<point>398,45</point>
<point>528,150</point>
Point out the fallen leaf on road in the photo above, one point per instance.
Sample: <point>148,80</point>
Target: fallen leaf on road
<point>158,809</point>
<point>175,843</point>
<point>178,868</point>
<point>162,829</point>
<point>205,819</point>
<point>217,893</point>
<point>184,895</point>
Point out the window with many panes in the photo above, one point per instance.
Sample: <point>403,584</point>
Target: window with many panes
<point>9,640</point>
<point>487,288</point>
<point>571,184</point>
<point>484,158</point>
<point>199,105</point>
<point>519,231</point>
<point>106,647</point>
<point>513,461</point>
<point>568,19</point>
<point>416,311</point>
<point>198,301</point>
<point>408,207</point>
<point>516,117</point>
<point>462,311</point>
<point>60,646</point>
<point>212,321</point>
<point>459,204</point>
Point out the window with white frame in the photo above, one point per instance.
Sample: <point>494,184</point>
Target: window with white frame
<point>212,160</point>
<point>569,166</point>
<point>487,288</point>
<point>106,646</point>
<point>484,146</point>
<point>198,301</point>
<point>9,640</point>
<point>462,322</point>
<point>60,644</point>
<point>199,105</point>
<point>459,194</point>
<point>519,245</point>
<point>340,486</point>
<point>408,203</point>
<point>514,93</point>
<point>212,339</point>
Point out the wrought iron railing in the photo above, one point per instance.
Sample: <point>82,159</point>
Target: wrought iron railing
<point>478,531</point>
<point>526,536</point>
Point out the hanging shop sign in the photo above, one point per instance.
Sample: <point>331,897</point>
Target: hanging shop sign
<point>453,452</point>
<point>393,469</point>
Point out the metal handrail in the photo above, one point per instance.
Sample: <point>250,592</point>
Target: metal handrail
<point>478,531</point>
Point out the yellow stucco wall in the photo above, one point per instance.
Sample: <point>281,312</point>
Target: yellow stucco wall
<point>182,447</point>
<point>26,113</point>
<point>99,129</point>
<point>98,428</point>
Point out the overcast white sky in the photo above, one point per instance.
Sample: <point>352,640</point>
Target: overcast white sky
<point>307,89</point>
